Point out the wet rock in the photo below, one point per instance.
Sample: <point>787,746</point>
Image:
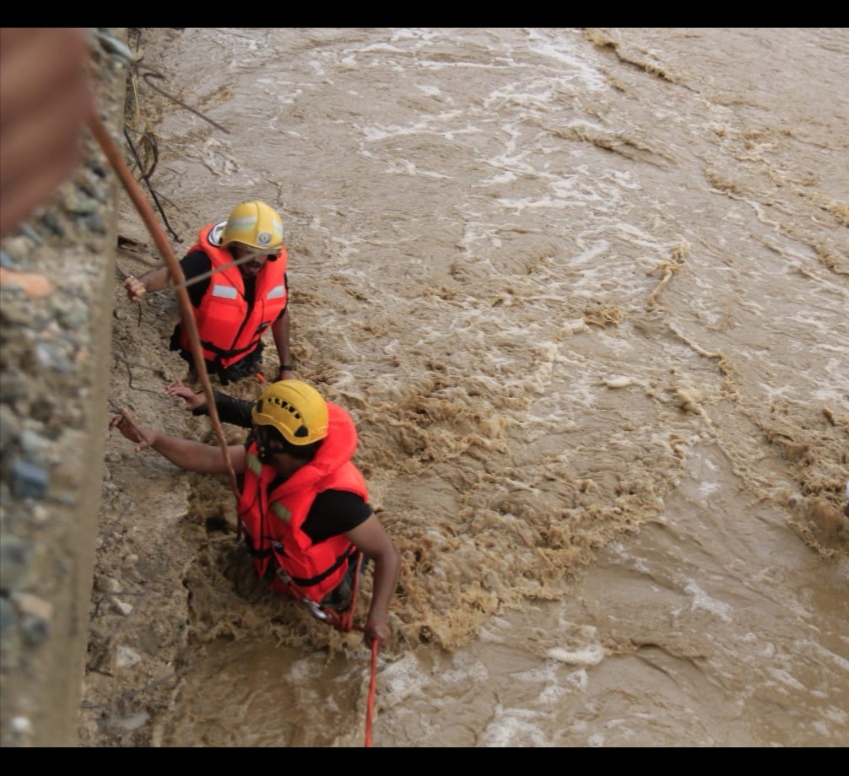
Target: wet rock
<point>73,315</point>
<point>7,614</point>
<point>17,250</point>
<point>9,429</point>
<point>31,444</point>
<point>16,562</point>
<point>53,224</point>
<point>94,222</point>
<point>35,629</point>
<point>97,168</point>
<point>52,355</point>
<point>29,480</point>
<point>13,314</point>
<point>92,184</point>
<point>80,205</point>
<point>36,616</point>
<point>67,498</point>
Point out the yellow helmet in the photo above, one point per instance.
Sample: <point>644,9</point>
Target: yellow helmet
<point>255,225</point>
<point>295,409</point>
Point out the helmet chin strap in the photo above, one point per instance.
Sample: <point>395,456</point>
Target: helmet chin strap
<point>265,453</point>
<point>262,444</point>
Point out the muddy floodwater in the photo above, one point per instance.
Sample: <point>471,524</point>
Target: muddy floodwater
<point>586,295</point>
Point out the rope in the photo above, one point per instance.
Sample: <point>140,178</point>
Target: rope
<point>113,155</point>
<point>371,692</point>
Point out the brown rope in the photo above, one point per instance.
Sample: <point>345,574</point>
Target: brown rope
<point>113,155</point>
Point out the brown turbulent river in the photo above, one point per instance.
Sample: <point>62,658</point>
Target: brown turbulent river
<point>585,293</point>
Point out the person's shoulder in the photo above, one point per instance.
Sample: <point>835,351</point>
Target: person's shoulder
<point>195,262</point>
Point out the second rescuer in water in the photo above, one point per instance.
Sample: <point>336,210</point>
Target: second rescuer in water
<point>304,505</point>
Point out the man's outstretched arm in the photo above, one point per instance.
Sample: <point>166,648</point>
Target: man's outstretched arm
<point>371,538</point>
<point>185,453</point>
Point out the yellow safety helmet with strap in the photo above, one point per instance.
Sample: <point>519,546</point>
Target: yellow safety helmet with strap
<point>255,225</point>
<point>296,409</point>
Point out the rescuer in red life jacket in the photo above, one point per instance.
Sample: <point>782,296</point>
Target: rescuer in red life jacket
<point>240,301</point>
<point>304,505</point>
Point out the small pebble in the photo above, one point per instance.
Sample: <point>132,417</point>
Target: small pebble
<point>131,722</point>
<point>37,614</point>
<point>22,725</point>
<point>30,604</point>
<point>126,657</point>
<point>94,222</point>
<point>109,584</point>
<point>122,608</point>
<point>112,45</point>
<point>53,224</point>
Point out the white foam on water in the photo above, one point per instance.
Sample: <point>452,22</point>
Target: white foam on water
<point>591,655</point>
<point>701,600</point>
<point>514,727</point>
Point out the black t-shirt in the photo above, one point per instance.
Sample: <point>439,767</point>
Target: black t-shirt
<point>332,513</point>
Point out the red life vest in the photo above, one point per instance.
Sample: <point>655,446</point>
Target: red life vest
<point>229,329</point>
<point>273,521</point>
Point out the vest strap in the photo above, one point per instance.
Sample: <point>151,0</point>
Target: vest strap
<point>301,582</point>
<point>223,353</point>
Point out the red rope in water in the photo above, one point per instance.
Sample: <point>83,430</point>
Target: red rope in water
<point>371,691</point>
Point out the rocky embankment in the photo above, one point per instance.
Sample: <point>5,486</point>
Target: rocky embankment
<point>56,300</point>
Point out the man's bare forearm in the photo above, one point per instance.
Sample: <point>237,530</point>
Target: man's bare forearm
<point>155,279</point>
<point>191,455</point>
<point>387,570</point>
<point>280,333</point>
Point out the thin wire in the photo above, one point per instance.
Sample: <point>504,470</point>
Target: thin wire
<point>146,178</point>
<point>151,73</point>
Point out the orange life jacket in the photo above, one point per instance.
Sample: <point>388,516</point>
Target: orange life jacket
<point>272,521</point>
<point>228,327</point>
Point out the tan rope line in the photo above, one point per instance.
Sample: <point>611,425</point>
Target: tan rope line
<point>216,270</point>
<point>115,158</point>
